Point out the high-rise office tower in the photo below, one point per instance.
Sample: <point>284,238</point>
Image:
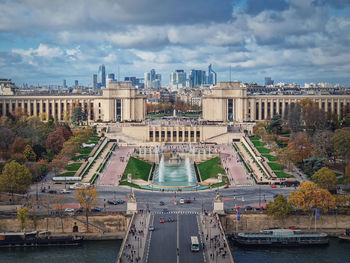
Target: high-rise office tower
<point>152,80</point>
<point>178,78</point>
<point>94,81</point>
<point>111,76</point>
<point>101,76</point>
<point>76,83</point>
<point>268,81</point>
<point>212,77</point>
<point>197,78</point>
<point>64,84</point>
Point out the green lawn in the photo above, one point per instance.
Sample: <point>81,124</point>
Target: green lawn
<point>263,150</point>
<point>211,168</point>
<point>192,115</point>
<point>139,169</point>
<point>254,138</point>
<point>66,174</point>
<point>129,184</point>
<point>158,115</point>
<point>78,157</point>
<point>283,175</point>
<point>275,166</point>
<point>94,139</point>
<point>258,143</point>
<point>270,157</point>
<point>85,151</point>
<point>73,166</point>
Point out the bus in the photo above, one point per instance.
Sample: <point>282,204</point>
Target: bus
<point>194,243</point>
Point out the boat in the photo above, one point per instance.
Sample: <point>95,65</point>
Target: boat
<point>281,238</point>
<point>36,239</point>
<point>346,236</point>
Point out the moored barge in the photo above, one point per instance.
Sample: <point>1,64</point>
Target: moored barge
<point>280,238</point>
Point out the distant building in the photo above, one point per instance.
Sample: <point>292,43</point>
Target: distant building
<point>111,76</point>
<point>135,82</point>
<point>197,78</point>
<point>152,80</point>
<point>101,76</point>
<point>268,81</point>
<point>7,87</point>
<point>94,81</point>
<point>64,84</point>
<point>212,77</point>
<point>76,83</point>
<point>178,79</point>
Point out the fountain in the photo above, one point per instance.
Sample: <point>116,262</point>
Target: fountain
<point>209,153</point>
<point>188,170</point>
<point>144,152</point>
<point>161,170</point>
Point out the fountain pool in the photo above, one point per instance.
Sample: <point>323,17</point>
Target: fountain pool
<point>182,175</point>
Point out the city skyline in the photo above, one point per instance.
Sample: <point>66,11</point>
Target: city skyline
<point>290,41</point>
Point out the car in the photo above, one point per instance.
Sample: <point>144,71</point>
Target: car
<point>273,186</point>
<point>161,220</point>
<point>182,201</point>
<point>188,201</point>
<point>113,202</point>
<point>170,219</point>
<point>165,210</point>
<point>151,228</point>
<point>69,210</point>
<point>120,201</point>
<point>292,228</point>
<point>79,210</point>
<point>96,209</point>
<point>161,203</point>
<point>65,191</point>
<point>226,186</point>
<point>52,191</point>
<point>248,208</point>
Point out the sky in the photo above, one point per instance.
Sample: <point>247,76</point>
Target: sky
<point>44,42</point>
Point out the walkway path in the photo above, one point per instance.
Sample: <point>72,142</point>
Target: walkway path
<point>98,161</point>
<point>235,172</point>
<point>215,242</point>
<point>116,166</point>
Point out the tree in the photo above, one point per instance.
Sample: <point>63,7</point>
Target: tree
<point>59,203</point>
<point>87,198</point>
<point>58,164</point>
<point>325,178</point>
<point>15,178</point>
<point>17,146</point>
<point>23,216</point>
<point>301,147</point>
<point>280,208</point>
<point>54,142</point>
<point>78,115</point>
<point>313,116</point>
<point>309,196</point>
<point>346,121</point>
<point>312,165</point>
<point>293,117</point>
<point>285,156</point>
<point>64,132</point>
<point>275,124</point>
<point>321,144</point>
<point>341,143</point>
<point>29,153</point>
<point>6,139</point>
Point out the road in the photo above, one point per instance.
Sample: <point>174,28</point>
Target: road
<point>233,196</point>
<point>169,236</point>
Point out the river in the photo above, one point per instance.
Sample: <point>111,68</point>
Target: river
<point>107,251</point>
<point>88,252</point>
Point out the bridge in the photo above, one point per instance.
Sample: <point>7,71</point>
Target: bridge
<point>170,240</point>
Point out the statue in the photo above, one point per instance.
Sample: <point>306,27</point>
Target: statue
<point>132,197</point>
<point>218,197</point>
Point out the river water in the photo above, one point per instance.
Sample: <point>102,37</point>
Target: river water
<point>88,252</point>
<point>107,251</point>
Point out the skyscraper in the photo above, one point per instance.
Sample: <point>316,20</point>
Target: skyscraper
<point>101,76</point>
<point>64,84</point>
<point>268,81</point>
<point>197,78</point>
<point>152,80</point>
<point>76,83</point>
<point>94,81</point>
<point>111,76</point>
<point>212,78</point>
<point>178,78</point>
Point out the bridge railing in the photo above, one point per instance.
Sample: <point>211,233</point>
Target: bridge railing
<point>120,254</point>
<point>225,239</point>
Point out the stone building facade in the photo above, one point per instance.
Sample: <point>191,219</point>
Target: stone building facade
<point>119,102</point>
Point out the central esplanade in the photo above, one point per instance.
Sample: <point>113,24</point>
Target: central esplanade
<point>225,104</point>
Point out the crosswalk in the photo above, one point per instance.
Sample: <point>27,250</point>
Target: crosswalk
<point>175,212</point>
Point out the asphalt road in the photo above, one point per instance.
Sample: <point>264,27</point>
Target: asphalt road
<point>169,236</point>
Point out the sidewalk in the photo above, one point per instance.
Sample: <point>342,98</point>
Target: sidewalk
<point>136,241</point>
<point>214,243</point>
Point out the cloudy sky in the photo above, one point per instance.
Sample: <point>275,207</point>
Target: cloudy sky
<point>289,40</point>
